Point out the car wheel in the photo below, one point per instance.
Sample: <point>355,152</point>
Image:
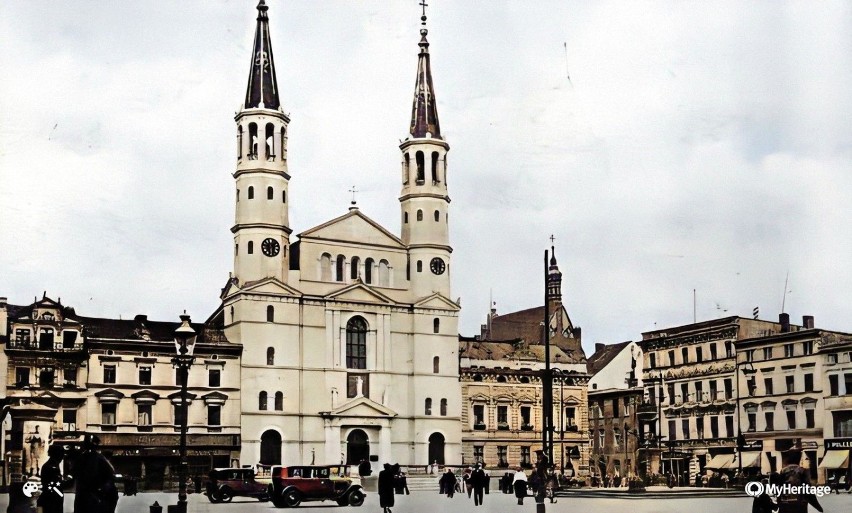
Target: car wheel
<point>264,497</point>
<point>214,496</point>
<point>225,495</point>
<point>356,498</point>
<point>292,498</point>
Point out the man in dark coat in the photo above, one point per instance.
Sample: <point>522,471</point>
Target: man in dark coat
<point>448,483</point>
<point>386,481</point>
<point>477,481</point>
<point>793,474</point>
<point>95,475</point>
<point>52,499</point>
<point>763,503</point>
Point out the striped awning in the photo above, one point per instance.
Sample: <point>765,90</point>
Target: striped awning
<point>720,461</point>
<point>835,459</point>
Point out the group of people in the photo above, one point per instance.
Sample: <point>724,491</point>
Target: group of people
<point>475,481</point>
<point>94,480</point>
<point>392,481</point>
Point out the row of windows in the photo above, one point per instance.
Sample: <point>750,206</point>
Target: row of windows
<point>270,194</point>
<point>679,393</point>
<point>436,215</point>
<point>420,162</point>
<point>214,376</point>
<point>46,377</point>
<point>695,354</point>
<point>700,428</point>
<point>145,412</point>
<point>502,455</point>
<point>789,384</point>
<point>271,144</point>
<point>263,401</point>
<point>790,413</point>
<point>768,353</point>
<point>427,409</point>
<point>337,271</point>
<point>569,421</point>
<point>46,339</point>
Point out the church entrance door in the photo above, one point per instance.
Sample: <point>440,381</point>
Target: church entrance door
<point>436,448</point>
<point>357,447</point>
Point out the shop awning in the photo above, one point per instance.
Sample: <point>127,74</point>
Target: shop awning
<point>835,459</point>
<point>720,461</point>
<point>750,459</point>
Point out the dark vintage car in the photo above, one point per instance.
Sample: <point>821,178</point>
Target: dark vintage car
<point>227,483</point>
<point>296,484</point>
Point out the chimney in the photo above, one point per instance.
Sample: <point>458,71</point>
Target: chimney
<point>784,319</point>
<point>599,347</point>
<point>808,322</point>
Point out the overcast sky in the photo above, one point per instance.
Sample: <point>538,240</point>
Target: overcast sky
<point>698,145</point>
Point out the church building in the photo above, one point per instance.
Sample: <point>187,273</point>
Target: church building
<point>350,336</point>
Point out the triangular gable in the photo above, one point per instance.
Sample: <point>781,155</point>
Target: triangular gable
<point>437,301</point>
<point>360,293</point>
<point>354,227</point>
<point>271,286</point>
<point>361,407</point>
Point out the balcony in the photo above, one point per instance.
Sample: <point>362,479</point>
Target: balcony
<point>479,426</point>
<point>502,426</point>
<point>647,407</point>
<point>527,427</point>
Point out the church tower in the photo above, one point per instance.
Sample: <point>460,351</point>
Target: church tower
<point>424,200</point>
<point>261,231</point>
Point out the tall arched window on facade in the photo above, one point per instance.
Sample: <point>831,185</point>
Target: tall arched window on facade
<point>437,216</point>
<point>368,270</point>
<point>270,193</point>
<point>436,365</point>
<point>239,142</point>
<point>420,266</point>
<point>270,356</point>
<point>279,401</point>
<point>251,248</point>
<point>419,215</point>
<point>251,192</point>
<point>252,141</point>
<point>270,137</point>
<point>270,313</point>
<point>435,157</point>
<point>325,267</point>
<point>356,343</point>
<point>427,410</point>
<point>406,165</point>
<point>341,264</point>
<point>261,401</point>
<point>443,407</point>
<point>418,157</point>
<point>384,273</point>
<point>436,325</point>
<point>354,264</point>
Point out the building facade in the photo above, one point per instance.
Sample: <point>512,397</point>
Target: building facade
<point>350,323</point>
<point>615,394</point>
<point>835,349</point>
<point>502,395</point>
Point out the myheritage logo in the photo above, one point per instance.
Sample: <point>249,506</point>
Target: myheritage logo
<point>756,489</point>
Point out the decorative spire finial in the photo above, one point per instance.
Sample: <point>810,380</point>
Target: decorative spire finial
<point>354,204</point>
<point>424,115</point>
<point>263,85</point>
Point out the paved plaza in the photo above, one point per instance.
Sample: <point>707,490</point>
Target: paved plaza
<point>432,502</point>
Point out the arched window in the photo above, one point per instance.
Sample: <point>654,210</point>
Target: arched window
<point>270,193</point>
<point>270,137</point>
<point>325,267</point>
<point>270,448</point>
<point>238,195</point>
<point>420,164</point>
<point>252,141</point>
<point>356,343</point>
<point>232,314</point>
<point>427,410</point>
<point>405,218</point>
<point>435,157</point>
<point>283,143</point>
<point>270,313</point>
<point>419,215</point>
<point>436,325</point>
<point>261,401</point>
<point>354,264</point>
<point>443,407</point>
<point>445,168</point>
<point>251,192</point>
<point>236,249</point>
<point>270,356</point>
<point>384,273</point>
<point>279,401</point>
<point>436,365</point>
<point>406,168</point>
<point>341,263</point>
<point>251,248</point>
<point>368,270</point>
<point>239,142</point>
<point>420,266</point>
<point>437,216</point>
<point>283,196</point>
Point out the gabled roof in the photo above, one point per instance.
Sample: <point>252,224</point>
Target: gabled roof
<point>354,227</point>
<point>360,407</point>
<point>437,300</point>
<point>603,356</point>
<point>270,286</point>
<point>358,292</point>
<point>526,325</point>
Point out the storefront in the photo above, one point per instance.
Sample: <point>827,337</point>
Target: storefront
<point>836,461</point>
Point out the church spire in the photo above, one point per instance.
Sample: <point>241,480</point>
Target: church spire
<point>424,112</point>
<point>554,277</point>
<point>262,85</point>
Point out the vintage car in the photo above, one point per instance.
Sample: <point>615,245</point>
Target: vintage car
<point>227,483</point>
<point>306,483</point>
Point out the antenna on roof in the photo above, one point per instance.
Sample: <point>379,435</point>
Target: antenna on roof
<point>784,296</point>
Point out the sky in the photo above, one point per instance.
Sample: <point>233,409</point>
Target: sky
<point>689,158</point>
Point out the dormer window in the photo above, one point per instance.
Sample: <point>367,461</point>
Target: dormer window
<point>47,316</point>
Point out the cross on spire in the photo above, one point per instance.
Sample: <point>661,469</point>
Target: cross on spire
<point>353,190</point>
<point>552,238</point>
<point>424,5</point>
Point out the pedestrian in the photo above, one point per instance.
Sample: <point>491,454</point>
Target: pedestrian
<point>477,482</point>
<point>386,499</point>
<point>95,476</point>
<point>794,475</point>
<point>448,483</point>
<point>552,485</point>
<point>52,500</point>
<point>519,483</point>
<point>466,480</point>
<point>403,484</point>
<point>763,503</point>
<point>364,468</point>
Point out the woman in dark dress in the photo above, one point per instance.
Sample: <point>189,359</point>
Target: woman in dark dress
<point>51,499</point>
<point>386,482</point>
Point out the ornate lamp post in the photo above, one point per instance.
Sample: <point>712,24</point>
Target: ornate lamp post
<point>184,344</point>
<point>748,370</point>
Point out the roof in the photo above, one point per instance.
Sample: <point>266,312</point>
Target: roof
<point>603,356</point>
<point>424,111</point>
<point>518,350</point>
<point>262,89</point>
<point>526,325</point>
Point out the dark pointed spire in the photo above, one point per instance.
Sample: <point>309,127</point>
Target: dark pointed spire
<point>554,277</point>
<point>262,85</point>
<point>424,112</point>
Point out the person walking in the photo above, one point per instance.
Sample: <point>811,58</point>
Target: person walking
<point>95,491</point>
<point>794,475</point>
<point>519,483</point>
<point>466,480</point>
<point>386,482</point>
<point>763,503</point>
<point>448,483</point>
<point>52,500</point>
<point>477,482</point>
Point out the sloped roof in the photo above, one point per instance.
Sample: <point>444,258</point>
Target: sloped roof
<point>602,357</point>
<point>526,325</point>
<point>518,350</point>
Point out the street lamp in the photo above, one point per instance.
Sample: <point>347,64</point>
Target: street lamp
<point>184,345</point>
<point>561,374</point>
<point>748,370</point>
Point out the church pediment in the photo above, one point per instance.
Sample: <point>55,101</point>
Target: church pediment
<point>356,228</point>
<point>270,286</point>
<point>437,301</point>
<point>360,407</point>
<point>360,293</point>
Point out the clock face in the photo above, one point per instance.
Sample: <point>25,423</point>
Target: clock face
<point>437,265</point>
<point>270,247</point>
